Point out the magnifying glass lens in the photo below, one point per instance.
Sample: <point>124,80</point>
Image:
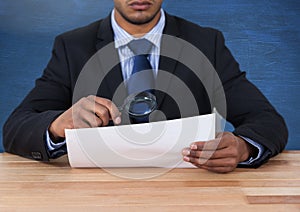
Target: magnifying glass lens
<point>141,105</point>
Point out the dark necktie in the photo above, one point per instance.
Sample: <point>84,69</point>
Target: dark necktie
<point>142,78</point>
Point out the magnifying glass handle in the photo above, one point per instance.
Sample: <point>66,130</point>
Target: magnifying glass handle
<point>121,108</point>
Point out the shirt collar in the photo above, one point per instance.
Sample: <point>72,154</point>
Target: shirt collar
<point>122,38</point>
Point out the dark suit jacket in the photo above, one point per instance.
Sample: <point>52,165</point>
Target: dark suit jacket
<point>247,109</point>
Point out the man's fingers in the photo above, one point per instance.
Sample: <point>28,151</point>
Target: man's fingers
<point>222,141</point>
<point>86,119</point>
<point>221,153</point>
<point>110,110</point>
<point>211,145</point>
<point>102,113</point>
<point>88,113</point>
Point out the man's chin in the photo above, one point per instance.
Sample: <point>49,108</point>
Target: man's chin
<point>139,20</point>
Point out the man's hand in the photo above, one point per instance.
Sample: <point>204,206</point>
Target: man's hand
<point>219,155</point>
<point>91,111</point>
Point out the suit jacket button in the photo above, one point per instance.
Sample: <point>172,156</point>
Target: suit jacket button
<point>36,155</point>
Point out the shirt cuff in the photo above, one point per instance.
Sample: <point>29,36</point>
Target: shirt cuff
<point>53,146</point>
<point>260,148</point>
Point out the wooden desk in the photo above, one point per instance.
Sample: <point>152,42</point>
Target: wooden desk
<point>28,185</point>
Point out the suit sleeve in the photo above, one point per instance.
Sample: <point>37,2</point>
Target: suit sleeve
<point>24,132</point>
<point>248,110</point>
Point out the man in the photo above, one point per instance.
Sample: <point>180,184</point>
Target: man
<point>36,128</point>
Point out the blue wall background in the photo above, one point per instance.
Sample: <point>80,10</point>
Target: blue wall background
<point>263,35</point>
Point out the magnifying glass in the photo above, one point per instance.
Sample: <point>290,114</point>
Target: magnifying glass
<point>138,105</point>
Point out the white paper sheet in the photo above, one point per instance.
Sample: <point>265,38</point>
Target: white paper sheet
<point>157,144</point>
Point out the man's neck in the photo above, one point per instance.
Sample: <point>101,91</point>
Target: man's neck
<point>135,29</point>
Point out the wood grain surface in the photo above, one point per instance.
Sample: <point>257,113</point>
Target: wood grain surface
<point>27,185</point>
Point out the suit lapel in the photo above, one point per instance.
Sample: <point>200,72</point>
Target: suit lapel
<point>170,52</point>
<point>113,78</point>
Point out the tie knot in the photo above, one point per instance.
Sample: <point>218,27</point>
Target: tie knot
<point>140,47</point>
